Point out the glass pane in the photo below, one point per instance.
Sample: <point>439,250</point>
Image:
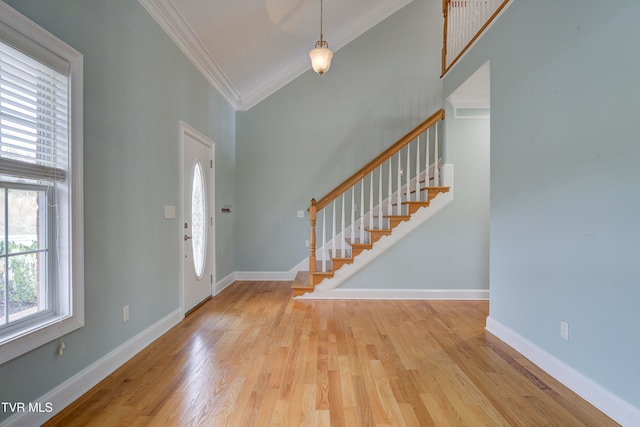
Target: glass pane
<point>24,220</point>
<point>3,244</point>
<point>3,293</point>
<point>24,288</point>
<point>198,219</point>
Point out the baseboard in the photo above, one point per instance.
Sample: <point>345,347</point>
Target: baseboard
<point>616,408</point>
<point>266,276</point>
<point>67,392</point>
<point>221,285</point>
<point>405,294</point>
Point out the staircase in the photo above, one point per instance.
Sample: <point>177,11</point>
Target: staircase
<point>393,187</point>
<point>306,281</point>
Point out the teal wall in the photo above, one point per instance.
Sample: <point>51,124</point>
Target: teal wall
<point>565,181</point>
<point>137,86</point>
<point>315,132</point>
<point>451,250</point>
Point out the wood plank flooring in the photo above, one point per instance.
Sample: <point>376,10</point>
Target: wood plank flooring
<point>252,356</point>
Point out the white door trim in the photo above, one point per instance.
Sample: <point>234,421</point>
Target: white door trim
<point>187,130</point>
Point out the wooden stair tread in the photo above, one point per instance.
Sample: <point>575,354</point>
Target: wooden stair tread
<point>301,284</point>
<point>362,245</point>
<point>319,276</point>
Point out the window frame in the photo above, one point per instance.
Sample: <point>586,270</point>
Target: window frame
<point>25,35</point>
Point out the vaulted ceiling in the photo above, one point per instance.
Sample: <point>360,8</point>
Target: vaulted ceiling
<point>249,49</point>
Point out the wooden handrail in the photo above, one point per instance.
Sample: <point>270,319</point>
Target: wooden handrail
<point>445,27</point>
<point>375,163</point>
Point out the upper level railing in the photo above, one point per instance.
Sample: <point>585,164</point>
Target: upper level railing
<point>464,21</point>
<point>379,189</point>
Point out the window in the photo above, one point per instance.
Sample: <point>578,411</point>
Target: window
<point>198,220</point>
<point>41,246</point>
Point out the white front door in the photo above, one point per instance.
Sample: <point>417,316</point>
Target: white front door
<point>197,235</point>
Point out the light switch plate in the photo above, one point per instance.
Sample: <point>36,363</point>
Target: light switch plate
<point>169,212</point>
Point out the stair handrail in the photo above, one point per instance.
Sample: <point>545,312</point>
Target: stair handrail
<point>373,164</point>
<point>317,205</point>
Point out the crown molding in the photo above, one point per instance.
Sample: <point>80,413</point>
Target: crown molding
<point>293,69</point>
<point>173,23</point>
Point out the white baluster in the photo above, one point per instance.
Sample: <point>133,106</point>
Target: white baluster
<point>459,28</point>
<point>468,12</point>
<point>380,216</point>
<point>333,235</point>
<point>408,173</point>
<point>399,192</point>
<point>371,202</point>
<point>427,165</point>
<point>452,31</point>
<point>324,248</point>
<point>342,229</point>
<point>418,170</point>
<point>353,213</point>
<point>436,168</point>
<point>362,211</point>
<point>390,189</point>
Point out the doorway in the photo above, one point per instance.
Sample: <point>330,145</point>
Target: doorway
<point>197,228</point>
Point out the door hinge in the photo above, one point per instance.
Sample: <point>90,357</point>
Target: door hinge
<point>211,164</point>
<point>212,279</point>
<point>211,221</point>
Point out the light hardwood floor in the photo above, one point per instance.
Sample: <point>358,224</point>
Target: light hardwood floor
<point>252,356</point>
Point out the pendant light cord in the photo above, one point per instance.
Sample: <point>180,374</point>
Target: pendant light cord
<point>321,10</point>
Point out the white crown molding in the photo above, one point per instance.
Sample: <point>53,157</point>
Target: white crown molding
<point>616,408</point>
<point>173,23</point>
<point>295,68</point>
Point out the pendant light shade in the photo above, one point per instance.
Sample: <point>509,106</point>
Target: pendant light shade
<point>321,55</point>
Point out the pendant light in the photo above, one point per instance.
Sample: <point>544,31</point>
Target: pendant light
<point>321,55</point>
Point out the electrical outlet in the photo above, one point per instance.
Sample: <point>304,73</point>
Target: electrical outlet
<point>306,243</point>
<point>125,313</point>
<point>564,330</point>
<point>300,214</point>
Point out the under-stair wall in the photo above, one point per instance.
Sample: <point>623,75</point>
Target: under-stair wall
<point>447,256</point>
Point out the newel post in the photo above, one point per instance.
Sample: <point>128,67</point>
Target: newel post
<point>312,238</point>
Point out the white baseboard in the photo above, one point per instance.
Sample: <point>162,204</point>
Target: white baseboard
<point>616,408</point>
<point>406,294</point>
<point>221,285</point>
<point>67,392</point>
<point>266,276</point>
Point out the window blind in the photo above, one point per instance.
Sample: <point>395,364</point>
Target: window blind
<point>34,118</point>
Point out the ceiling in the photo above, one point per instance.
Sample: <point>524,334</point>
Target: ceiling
<point>248,49</point>
<point>475,91</point>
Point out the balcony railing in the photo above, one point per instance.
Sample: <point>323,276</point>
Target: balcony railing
<point>464,22</point>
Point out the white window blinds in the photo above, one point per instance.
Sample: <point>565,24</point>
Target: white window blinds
<point>34,117</point>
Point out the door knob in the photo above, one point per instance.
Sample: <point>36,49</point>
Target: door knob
<point>186,237</point>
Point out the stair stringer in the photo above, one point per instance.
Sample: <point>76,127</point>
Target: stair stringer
<point>324,288</point>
